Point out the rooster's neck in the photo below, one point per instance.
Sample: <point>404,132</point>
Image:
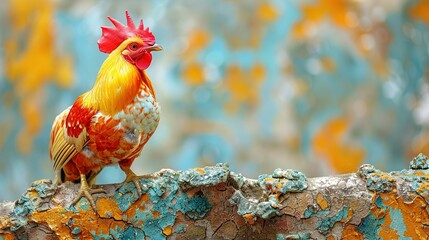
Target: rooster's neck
<point>118,82</point>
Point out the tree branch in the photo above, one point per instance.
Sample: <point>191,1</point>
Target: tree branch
<point>215,203</point>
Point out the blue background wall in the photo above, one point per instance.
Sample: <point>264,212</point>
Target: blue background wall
<point>320,86</point>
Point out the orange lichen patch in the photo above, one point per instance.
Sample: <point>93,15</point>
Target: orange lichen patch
<point>267,12</point>
<point>330,144</point>
<point>330,237</point>
<point>200,170</point>
<point>413,215</point>
<point>167,230</point>
<point>139,205</point>
<point>61,221</point>
<point>107,208</point>
<point>420,11</point>
<point>7,236</point>
<point>320,199</point>
<point>155,214</point>
<point>351,232</point>
<point>249,218</point>
<point>56,219</point>
<point>350,213</point>
<point>193,74</point>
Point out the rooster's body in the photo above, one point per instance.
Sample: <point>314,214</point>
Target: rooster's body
<point>112,122</point>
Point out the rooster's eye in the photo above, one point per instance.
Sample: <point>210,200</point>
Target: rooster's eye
<point>133,46</point>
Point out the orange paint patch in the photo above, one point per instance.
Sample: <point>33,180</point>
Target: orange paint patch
<point>167,230</point>
<point>414,216</point>
<point>200,170</point>
<point>350,232</point>
<point>59,220</point>
<point>321,201</point>
<point>155,214</point>
<point>330,144</point>
<point>7,236</point>
<point>107,208</point>
<point>249,218</point>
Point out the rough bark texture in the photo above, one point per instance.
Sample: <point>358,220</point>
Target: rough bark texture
<point>214,203</point>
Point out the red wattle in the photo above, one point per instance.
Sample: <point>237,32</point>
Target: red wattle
<point>145,60</point>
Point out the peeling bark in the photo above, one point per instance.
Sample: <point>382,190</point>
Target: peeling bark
<point>215,203</point>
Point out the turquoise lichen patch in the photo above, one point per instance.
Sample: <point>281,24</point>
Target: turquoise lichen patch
<point>283,181</point>
<point>76,230</point>
<point>36,198</point>
<point>195,207</point>
<point>376,180</point>
<point>277,184</point>
<point>132,233</point>
<point>165,199</point>
<point>418,182</point>
<point>397,221</point>
<point>266,211</point>
<point>238,178</point>
<point>371,224</point>
<point>207,176</point>
<point>326,223</point>
<point>245,206</point>
<point>126,196</point>
<point>419,162</point>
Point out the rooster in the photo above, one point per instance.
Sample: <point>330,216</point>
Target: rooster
<point>112,122</point>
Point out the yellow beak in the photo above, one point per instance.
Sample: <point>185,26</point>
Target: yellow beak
<point>154,47</point>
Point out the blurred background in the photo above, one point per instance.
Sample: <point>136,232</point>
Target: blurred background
<point>321,86</point>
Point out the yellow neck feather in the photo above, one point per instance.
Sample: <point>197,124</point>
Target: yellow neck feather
<point>117,84</point>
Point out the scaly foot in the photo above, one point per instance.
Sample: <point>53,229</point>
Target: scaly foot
<point>86,191</point>
<point>132,177</point>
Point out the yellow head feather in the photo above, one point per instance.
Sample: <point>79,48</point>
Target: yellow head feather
<point>117,83</point>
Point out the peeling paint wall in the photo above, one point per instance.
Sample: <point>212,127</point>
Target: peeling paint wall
<point>213,203</point>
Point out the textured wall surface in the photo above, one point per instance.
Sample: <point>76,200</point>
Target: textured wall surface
<point>215,203</point>
<point>322,86</point>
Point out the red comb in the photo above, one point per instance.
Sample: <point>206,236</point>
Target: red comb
<point>112,37</point>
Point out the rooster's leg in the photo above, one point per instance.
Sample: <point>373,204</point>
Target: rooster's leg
<point>86,191</point>
<point>132,177</point>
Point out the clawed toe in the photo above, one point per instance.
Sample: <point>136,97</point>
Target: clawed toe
<point>132,177</point>
<point>86,191</point>
<point>88,194</point>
